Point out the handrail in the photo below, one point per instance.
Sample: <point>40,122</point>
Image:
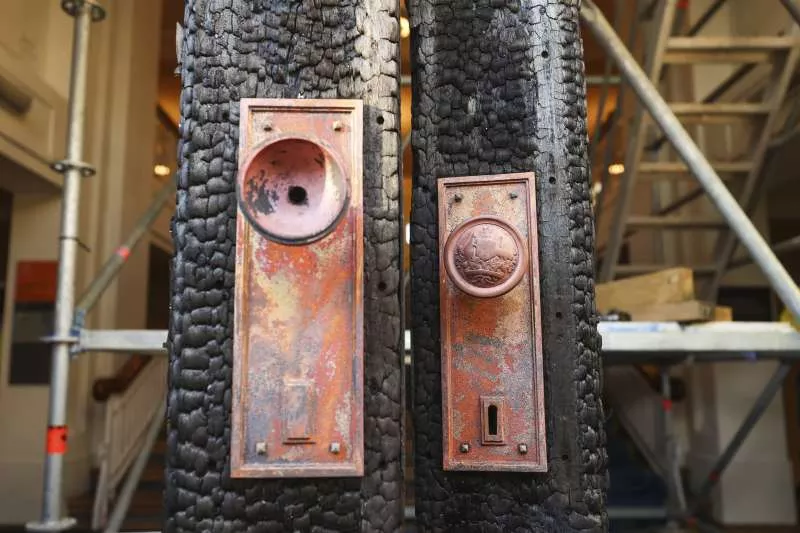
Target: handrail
<point>104,388</point>
<point>132,480</point>
<point>127,419</point>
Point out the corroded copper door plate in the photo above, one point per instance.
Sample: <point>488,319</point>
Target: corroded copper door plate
<point>492,386</point>
<point>298,341</point>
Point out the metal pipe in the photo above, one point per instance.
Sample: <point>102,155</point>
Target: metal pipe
<point>117,516</point>
<point>108,272</point>
<point>782,247</point>
<point>65,296</point>
<point>759,407</point>
<point>792,8</point>
<point>707,15</point>
<point>749,236</point>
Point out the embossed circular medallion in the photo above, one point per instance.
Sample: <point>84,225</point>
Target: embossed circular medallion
<point>485,257</point>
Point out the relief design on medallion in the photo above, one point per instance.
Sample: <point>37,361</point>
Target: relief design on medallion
<point>485,256</point>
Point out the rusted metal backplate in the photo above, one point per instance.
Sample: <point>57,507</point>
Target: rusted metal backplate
<point>298,341</point>
<point>492,385</point>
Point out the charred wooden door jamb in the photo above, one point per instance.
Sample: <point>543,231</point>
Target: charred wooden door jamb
<point>498,88</point>
<point>236,49</point>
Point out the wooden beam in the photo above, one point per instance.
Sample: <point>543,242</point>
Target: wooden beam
<point>666,286</point>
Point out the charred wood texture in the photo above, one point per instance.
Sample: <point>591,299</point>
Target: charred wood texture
<point>499,87</point>
<point>235,49</point>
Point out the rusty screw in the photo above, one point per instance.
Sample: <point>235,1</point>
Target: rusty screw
<point>458,197</point>
<point>338,126</point>
<point>335,447</point>
<point>464,447</point>
<point>261,448</point>
<point>523,448</point>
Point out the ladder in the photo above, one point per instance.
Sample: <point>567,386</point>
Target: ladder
<point>761,111</point>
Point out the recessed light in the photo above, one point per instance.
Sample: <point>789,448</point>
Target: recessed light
<point>616,169</point>
<point>161,170</point>
<point>405,28</point>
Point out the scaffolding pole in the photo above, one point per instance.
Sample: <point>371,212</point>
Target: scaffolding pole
<point>112,266</point>
<point>74,169</point>
<point>759,250</point>
<point>792,8</point>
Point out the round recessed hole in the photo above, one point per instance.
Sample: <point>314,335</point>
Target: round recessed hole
<point>565,457</point>
<point>382,286</point>
<point>379,120</point>
<point>559,315</point>
<point>552,181</point>
<point>298,195</point>
<point>545,54</point>
<point>292,190</point>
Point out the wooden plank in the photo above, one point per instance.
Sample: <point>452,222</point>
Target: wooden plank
<point>689,311</point>
<point>729,44</point>
<point>723,313</point>
<point>665,286</point>
<point>680,167</point>
<point>644,268</point>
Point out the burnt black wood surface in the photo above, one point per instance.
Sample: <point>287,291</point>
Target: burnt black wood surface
<point>236,49</point>
<point>499,87</point>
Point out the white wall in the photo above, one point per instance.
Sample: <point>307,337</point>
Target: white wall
<point>35,46</point>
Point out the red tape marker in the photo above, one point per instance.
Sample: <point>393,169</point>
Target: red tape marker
<point>123,252</point>
<point>683,4</point>
<point>666,405</point>
<point>57,440</point>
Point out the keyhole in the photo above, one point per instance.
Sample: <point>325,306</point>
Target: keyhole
<point>298,195</point>
<point>492,422</point>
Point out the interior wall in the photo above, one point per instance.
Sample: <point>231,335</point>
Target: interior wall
<point>37,37</point>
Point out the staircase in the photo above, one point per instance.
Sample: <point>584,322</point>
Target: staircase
<point>146,512</point>
<point>133,426</point>
<point>733,125</point>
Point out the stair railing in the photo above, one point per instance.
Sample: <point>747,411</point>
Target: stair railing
<point>128,416</point>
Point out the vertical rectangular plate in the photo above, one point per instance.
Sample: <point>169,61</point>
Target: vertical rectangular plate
<point>298,333</point>
<point>492,347</point>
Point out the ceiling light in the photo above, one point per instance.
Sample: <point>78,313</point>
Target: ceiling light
<point>616,169</point>
<point>161,170</point>
<point>405,28</point>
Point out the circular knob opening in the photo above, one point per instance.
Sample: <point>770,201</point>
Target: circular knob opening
<point>292,190</point>
<point>485,257</point>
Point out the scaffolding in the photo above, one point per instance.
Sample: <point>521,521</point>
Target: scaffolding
<point>666,344</point>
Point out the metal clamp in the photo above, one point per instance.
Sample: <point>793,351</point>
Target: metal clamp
<point>55,339</point>
<point>73,7</point>
<point>52,525</point>
<point>86,170</point>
